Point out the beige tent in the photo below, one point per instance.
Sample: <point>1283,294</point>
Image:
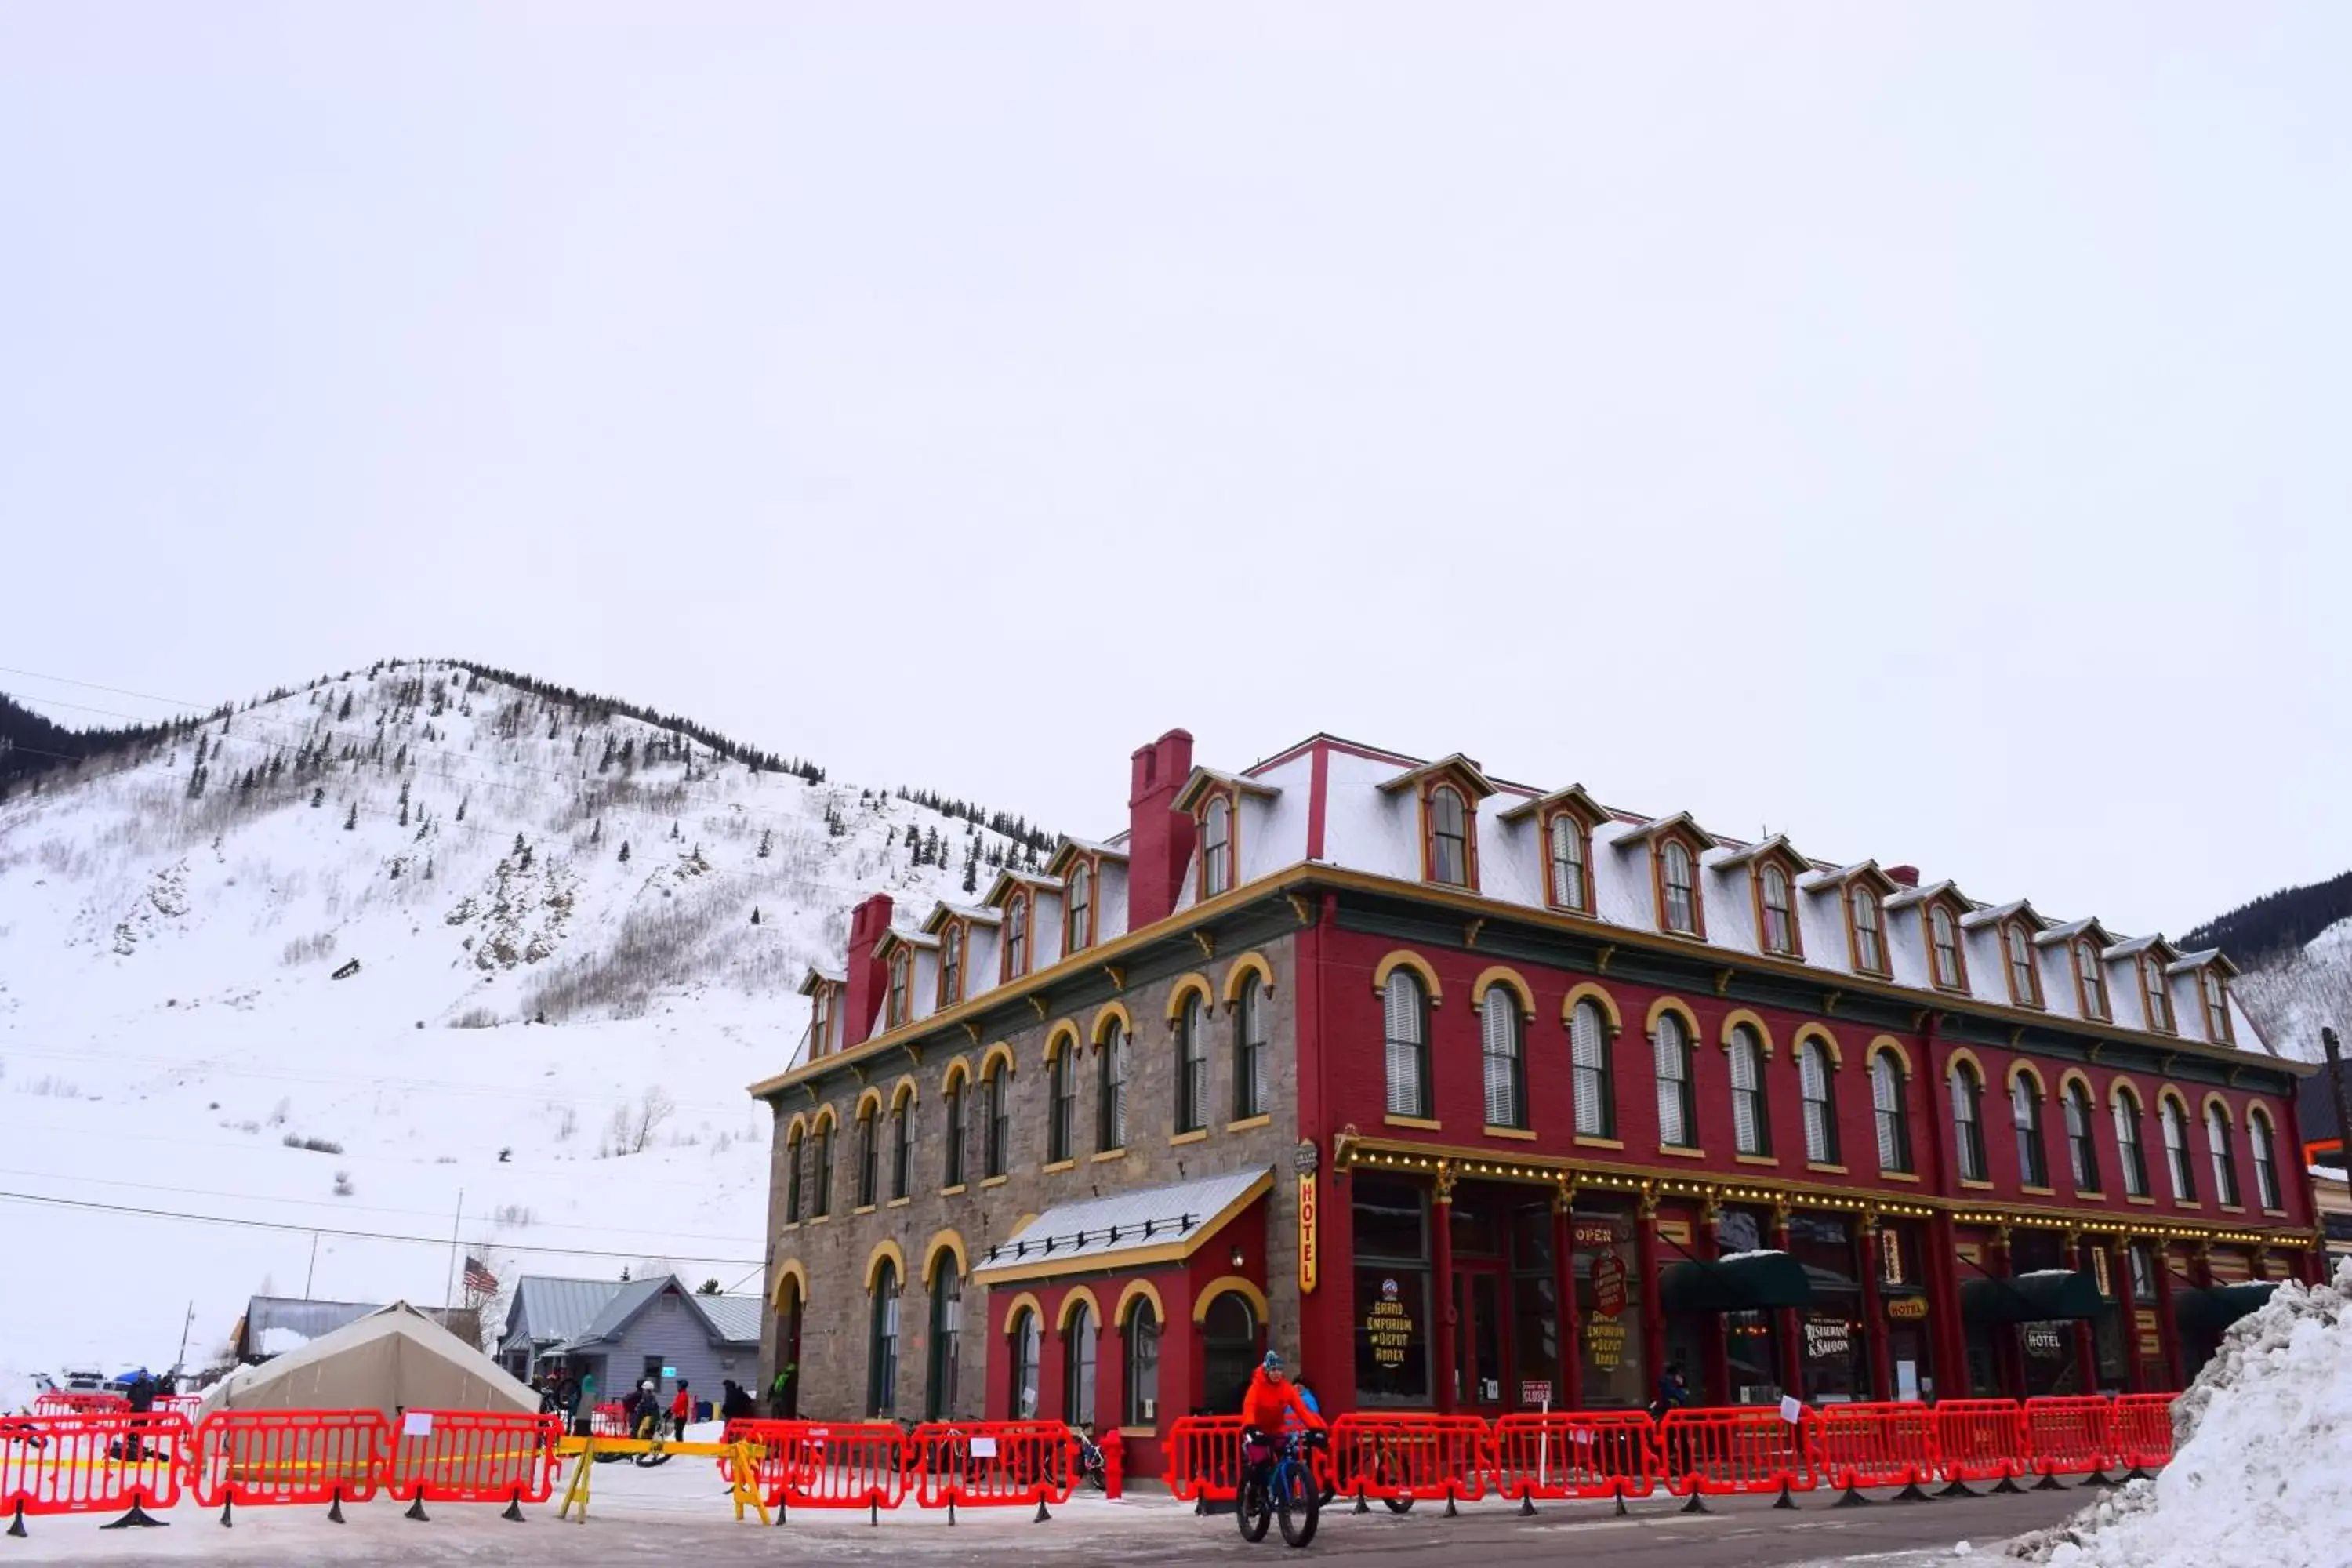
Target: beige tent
<point>388,1360</point>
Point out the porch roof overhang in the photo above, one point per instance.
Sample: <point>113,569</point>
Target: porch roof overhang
<point>2045,1296</point>
<point>1743,1282</point>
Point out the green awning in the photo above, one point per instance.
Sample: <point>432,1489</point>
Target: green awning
<point>1744,1282</point>
<point>2045,1296</point>
<point>2209,1311</point>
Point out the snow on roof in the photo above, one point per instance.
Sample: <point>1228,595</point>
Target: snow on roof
<point>2133,945</point>
<point>941,913</point>
<point>1947,889</point>
<point>737,1318</point>
<point>1201,779</point>
<point>1573,796</point>
<point>1643,832</point>
<point>900,936</point>
<point>2087,926</point>
<point>1095,1233</point>
<point>1839,876</point>
<point>819,973</point>
<point>1747,853</point>
<point>1456,763</point>
<point>1008,879</point>
<point>1070,848</point>
<point>2201,958</point>
<point>2018,909</point>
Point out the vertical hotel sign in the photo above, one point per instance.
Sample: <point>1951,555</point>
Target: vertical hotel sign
<point>1307,1239</point>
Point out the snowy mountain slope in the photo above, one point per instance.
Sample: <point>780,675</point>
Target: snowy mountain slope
<point>171,1024</point>
<point>2292,995</point>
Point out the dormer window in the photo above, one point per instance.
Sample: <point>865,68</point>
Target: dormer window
<point>1866,925</point>
<point>2158,992</point>
<point>820,1020</point>
<point>951,943</point>
<point>1448,837</point>
<point>1944,950</point>
<point>2024,985</point>
<point>901,989</point>
<point>2090,980</point>
<point>2213,991</point>
<point>1678,902</point>
<point>1776,911</point>
<point>1078,909</point>
<point>1564,839</point>
<point>1216,847</point>
<point>1017,936</point>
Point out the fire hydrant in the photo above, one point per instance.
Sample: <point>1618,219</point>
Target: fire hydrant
<point>1114,1449</point>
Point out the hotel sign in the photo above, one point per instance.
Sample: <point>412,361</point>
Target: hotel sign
<point>1308,1241</point>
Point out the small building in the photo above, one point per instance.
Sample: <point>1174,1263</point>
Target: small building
<point>625,1332</point>
<point>272,1325</point>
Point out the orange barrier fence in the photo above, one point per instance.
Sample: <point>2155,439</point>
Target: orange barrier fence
<point>1575,1454</point>
<point>1727,1452</point>
<point>64,1402</point>
<point>91,1463</point>
<point>1980,1439</point>
<point>1205,1458</point>
<point>2067,1435</point>
<point>1403,1459</point>
<point>610,1419</point>
<point>1889,1445</point>
<point>288,1457</point>
<point>994,1463</point>
<point>470,1456</point>
<point>186,1405</point>
<point>816,1464</point>
<point>2139,1431</point>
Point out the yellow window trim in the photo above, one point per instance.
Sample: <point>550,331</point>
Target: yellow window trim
<point>1679,1152</point>
<point>956,1190</point>
<point>994,1180</point>
<point>1584,1142</point>
<point>1756,1159</point>
<point>819,1219</point>
<point>1973,1184</point>
<point>1827,1170</point>
<point>2040,1192</point>
<point>1913,1176</point>
<point>1524,1132</point>
<point>1194,1136</point>
<point>1420,1123</point>
<point>1054,1165</point>
<point>863,1208</point>
<point>900,1203</point>
<point>1117,1153</point>
<point>1249,1123</point>
<point>2131,1198</point>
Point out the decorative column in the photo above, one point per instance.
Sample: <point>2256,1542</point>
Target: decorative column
<point>1446,1368</point>
<point>1944,1331</point>
<point>1786,1326</point>
<point>1570,1394</point>
<point>2200,1264</point>
<point>2165,1326</point>
<point>2007,1355</point>
<point>2087,1342</point>
<point>2126,1298</point>
<point>1654,1311</point>
<point>1874,1314</point>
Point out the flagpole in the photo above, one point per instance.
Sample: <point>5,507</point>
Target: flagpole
<point>449,1298</point>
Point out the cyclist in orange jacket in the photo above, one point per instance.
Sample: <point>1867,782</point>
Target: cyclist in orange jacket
<point>1269,1404</point>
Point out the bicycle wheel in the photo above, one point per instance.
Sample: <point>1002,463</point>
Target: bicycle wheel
<point>1252,1513</point>
<point>1294,1501</point>
<point>1383,1473</point>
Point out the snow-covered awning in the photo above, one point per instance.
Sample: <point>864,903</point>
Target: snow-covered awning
<point>1126,1230</point>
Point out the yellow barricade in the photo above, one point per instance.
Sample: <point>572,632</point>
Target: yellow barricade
<point>743,1468</point>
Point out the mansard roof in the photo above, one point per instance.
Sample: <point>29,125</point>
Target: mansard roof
<point>1456,766</point>
<point>1202,780</point>
<point>1572,798</point>
<point>2016,908</point>
<point>1681,822</point>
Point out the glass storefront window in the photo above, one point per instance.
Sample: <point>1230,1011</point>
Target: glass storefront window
<point>1391,1318</point>
<point>1388,1218</point>
<point>1608,1297</point>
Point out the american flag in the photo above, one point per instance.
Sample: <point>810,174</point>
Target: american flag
<point>479,1277</point>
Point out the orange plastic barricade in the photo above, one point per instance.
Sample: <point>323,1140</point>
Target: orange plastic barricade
<point>760,1430</point>
<point>609,1420</point>
<point>1403,1459</point>
<point>1575,1454</point>
<point>833,1464</point>
<point>65,1402</point>
<point>1205,1458</point>
<point>2140,1430</point>
<point>2067,1434</point>
<point>91,1464</point>
<point>186,1405</point>
<point>1724,1453</point>
<point>472,1455</point>
<point>1980,1441</point>
<point>289,1456</point>
<point>992,1464</point>
<point>1875,1444</point>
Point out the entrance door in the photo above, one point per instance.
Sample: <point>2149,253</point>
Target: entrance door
<point>1478,1338</point>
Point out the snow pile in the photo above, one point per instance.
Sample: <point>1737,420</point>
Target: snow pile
<point>2258,1479</point>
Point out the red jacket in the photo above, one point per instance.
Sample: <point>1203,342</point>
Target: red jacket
<point>683,1405</point>
<point>1267,1401</point>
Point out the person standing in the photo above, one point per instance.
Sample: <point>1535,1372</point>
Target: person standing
<point>681,1410</point>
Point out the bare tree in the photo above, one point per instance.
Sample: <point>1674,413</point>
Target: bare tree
<point>653,1109</point>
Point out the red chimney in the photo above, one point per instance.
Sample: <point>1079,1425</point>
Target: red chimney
<point>869,922</point>
<point>1158,838</point>
<point>1906,875</point>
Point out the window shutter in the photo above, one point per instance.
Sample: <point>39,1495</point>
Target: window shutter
<point>1586,1044</point>
<point>1743,1095</point>
<point>1666,1047</point>
<point>1887,1095</point>
<point>1403,1005</point>
<point>1499,1025</point>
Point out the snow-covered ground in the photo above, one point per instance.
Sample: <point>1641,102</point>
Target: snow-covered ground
<point>171,1031</point>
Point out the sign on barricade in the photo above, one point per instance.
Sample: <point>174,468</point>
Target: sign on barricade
<point>835,1464</point>
<point>1733,1452</point>
<point>289,1456</point>
<point>1401,1459</point>
<point>471,1455</point>
<point>1575,1454</point>
<point>992,1464</point>
<point>91,1463</point>
<point>1875,1444</point>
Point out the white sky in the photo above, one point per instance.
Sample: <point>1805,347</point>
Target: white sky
<point>1920,429</point>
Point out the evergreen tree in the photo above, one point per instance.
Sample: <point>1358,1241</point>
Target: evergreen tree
<point>352,819</point>
<point>755,914</point>
<point>196,783</point>
<point>971,873</point>
<point>346,710</point>
<point>625,851</point>
<point>519,849</point>
<point>524,864</point>
<point>604,763</point>
<point>461,805</point>
<point>596,833</point>
<point>318,797</point>
<point>766,842</point>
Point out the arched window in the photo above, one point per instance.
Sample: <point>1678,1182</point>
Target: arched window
<point>1110,1105</point>
<point>1078,1367</point>
<point>2157,991</point>
<point>1671,1054</point>
<point>882,1346</point>
<point>2213,988</point>
<point>1449,838</point>
<point>1062,1124</point>
<point>2024,983</point>
<point>1405,1010</point>
<point>2225,1157</point>
<point>897,1014</point>
<point>1944,950</point>
<point>2082,1150</point>
<point>869,1161</point>
<point>947,1338</point>
<point>1193,1065</point>
<point>792,1152</point>
<point>1820,1112</point>
<point>1142,1352</point>
<point>953,1172</point>
<point>1751,1123</point>
<point>1505,1072</point>
<point>1078,917</point>
<point>1250,1050</point>
<point>2266,1182</point>
<point>2175,1122</point>
<point>2092,979</point>
<point>902,1147</point>
<point>2025,1116</point>
<point>996,1105</point>
<point>1567,889</point>
<point>950,965</point>
<point>1231,1347</point>
<point>821,1197</point>
<point>1967,1121</point>
<point>1216,847</point>
<point>1016,937</point>
<point>1678,889</point>
<point>1869,929</point>
<point>2128,1151</point>
<point>1588,1051</point>
<point>1890,1108</point>
<point>1028,1341</point>
<point>1780,914</point>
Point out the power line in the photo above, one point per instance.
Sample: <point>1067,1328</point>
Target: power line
<point>439,1243</point>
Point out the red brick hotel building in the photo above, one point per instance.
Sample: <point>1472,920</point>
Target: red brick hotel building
<point>1468,1094</point>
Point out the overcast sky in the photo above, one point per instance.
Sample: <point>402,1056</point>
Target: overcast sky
<point>1921,430</point>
